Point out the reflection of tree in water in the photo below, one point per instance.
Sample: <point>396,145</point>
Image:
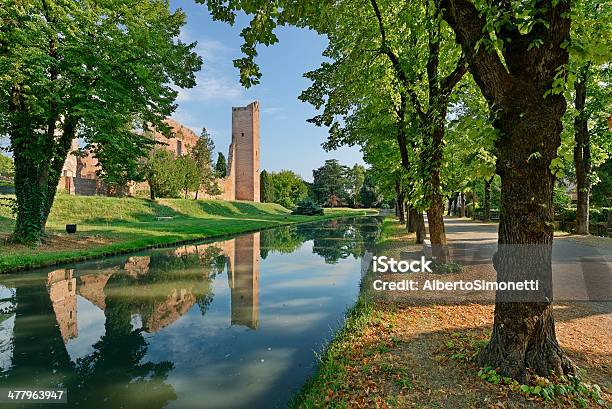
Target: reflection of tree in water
<point>39,359</point>
<point>172,285</point>
<point>284,240</point>
<point>333,240</point>
<point>117,360</point>
<point>114,375</point>
<point>118,356</point>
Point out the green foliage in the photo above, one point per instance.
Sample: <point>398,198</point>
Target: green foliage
<point>7,168</point>
<point>331,183</point>
<point>161,174</point>
<point>266,187</point>
<point>98,70</point>
<point>188,174</point>
<point>356,179</point>
<point>202,155</point>
<point>289,188</point>
<point>561,197</point>
<point>571,387</point>
<point>602,191</point>
<point>10,204</point>
<point>308,207</point>
<point>221,166</point>
<point>368,194</point>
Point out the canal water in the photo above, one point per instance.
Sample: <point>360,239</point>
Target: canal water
<point>227,324</point>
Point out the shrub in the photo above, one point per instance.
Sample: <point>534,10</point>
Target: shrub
<point>599,215</point>
<point>308,207</point>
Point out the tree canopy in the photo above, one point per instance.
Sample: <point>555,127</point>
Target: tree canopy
<point>98,70</point>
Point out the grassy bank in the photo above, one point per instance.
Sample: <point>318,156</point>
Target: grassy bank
<point>421,355</point>
<point>109,226</point>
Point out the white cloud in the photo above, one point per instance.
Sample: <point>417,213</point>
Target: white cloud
<point>211,86</point>
<point>209,49</point>
<point>212,50</point>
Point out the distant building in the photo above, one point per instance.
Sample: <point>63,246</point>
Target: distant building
<point>79,175</point>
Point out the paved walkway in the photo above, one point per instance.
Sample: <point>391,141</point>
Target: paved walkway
<point>582,266</point>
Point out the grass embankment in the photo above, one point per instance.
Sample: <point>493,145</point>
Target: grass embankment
<point>391,354</point>
<point>109,226</point>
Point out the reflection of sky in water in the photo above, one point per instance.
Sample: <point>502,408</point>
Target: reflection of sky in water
<point>90,323</point>
<point>288,304</point>
<point>6,342</point>
<point>218,365</point>
<point>7,322</point>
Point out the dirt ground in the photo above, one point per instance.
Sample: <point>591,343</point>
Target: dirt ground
<point>407,351</point>
<point>416,354</point>
<point>59,242</point>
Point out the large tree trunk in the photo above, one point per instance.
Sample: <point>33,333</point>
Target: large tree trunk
<point>414,220</point>
<point>582,154</point>
<point>487,199</point>
<point>419,225</point>
<point>462,205</point>
<point>60,153</point>
<point>523,330</point>
<point>435,212</point>
<point>528,118</point>
<point>31,180</point>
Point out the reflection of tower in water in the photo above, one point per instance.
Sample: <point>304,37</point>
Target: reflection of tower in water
<point>244,281</point>
<point>62,292</point>
<point>242,255</point>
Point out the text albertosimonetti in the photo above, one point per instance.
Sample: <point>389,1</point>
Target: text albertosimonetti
<point>385,264</point>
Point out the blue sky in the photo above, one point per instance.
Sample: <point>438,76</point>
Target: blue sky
<point>287,140</point>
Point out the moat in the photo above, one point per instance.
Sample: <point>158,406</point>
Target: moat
<point>227,324</point>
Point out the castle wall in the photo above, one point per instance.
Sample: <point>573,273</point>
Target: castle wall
<point>242,269</point>
<point>62,292</point>
<point>242,180</point>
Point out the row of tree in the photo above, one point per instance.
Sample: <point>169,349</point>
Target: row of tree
<point>333,185</point>
<point>431,90</point>
<point>441,94</point>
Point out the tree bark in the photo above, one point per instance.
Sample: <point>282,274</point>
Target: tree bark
<point>582,154</point>
<point>462,205</point>
<point>400,209</point>
<point>528,119</point>
<point>419,225</point>
<point>435,212</point>
<point>437,234</point>
<point>31,184</point>
<point>412,219</point>
<point>487,199</point>
<point>523,330</point>
<point>400,201</point>
<point>60,153</point>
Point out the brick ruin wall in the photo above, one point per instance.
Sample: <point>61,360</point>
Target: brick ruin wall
<point>242,180</point>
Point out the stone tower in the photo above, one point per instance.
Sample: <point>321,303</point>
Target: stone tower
<point>245,137</point>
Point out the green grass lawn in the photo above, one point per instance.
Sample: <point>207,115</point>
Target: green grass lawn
<point>114,225</point>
